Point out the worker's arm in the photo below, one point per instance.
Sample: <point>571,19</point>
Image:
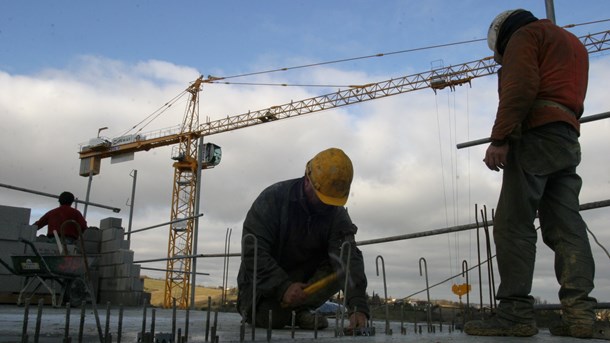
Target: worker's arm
<point>262,221</point>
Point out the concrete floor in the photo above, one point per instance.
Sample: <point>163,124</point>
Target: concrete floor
<point>52,328</point>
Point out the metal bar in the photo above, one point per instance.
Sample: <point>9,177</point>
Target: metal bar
<point>119,330</point>
<point>451,229</point>
<point>134,175</point>
<point>385,292</point>
<point>168,223</point>
<point>67,324</point>
<point>428,304</point>
<point>582,120</point>
<point>255,267</point>
<point>165,270</point>
<point>550,10</point>
<point>476,217</point>
<point>168,258</point>
<point>114,209</point>
<point>26,314</point>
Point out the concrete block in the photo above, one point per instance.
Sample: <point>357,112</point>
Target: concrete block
<point>121,284</point>
<point>12,221</point>
<point>110,222</point>
<point>92,247</point>
<point>8,249</point>
<point>135,271</point>
<point>92,235</point>
<point>110,246</point>
<point>116,257</point>
<point>113,234</point>
<point>119,270</point>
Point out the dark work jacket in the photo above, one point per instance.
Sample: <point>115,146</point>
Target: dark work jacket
<point>293,243</point>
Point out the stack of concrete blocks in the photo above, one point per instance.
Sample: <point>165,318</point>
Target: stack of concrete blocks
<point>14,224</point>
<point>119,277</point>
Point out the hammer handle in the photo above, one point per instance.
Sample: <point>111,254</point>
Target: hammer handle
<point>318,285</point>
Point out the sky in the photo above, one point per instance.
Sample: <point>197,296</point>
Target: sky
<point>69,68</point>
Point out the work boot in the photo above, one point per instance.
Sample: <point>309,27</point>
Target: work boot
<point>600,330</point>
<point>497,327</point>
<point>306,321</point>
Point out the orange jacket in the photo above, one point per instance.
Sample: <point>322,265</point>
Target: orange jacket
<point>541,62</point>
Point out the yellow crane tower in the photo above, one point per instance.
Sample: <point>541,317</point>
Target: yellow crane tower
<point>177,283</point>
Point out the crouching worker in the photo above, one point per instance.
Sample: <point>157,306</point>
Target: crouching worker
<point>300,226</point>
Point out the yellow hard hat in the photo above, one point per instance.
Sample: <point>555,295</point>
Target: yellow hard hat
<point>331,173</point>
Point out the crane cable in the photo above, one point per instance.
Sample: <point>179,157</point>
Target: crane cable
<point>154,115</point>
<point>216,80</point>
<point>213,79</point>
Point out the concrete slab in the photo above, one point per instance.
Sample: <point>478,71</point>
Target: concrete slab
<point>52,328</point>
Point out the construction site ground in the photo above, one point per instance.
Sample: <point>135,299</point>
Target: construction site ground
<point>52,328</point>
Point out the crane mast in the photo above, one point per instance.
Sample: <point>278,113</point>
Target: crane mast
<point>178,269</point>
<point>186,166</point>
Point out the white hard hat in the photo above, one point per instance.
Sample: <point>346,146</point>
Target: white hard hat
<point>494,28</point>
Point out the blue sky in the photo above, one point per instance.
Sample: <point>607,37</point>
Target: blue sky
<point>68,68</point>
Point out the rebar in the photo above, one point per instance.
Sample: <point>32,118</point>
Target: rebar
<point>207,321</point>
<point>26,314</point>
<point>67,324</point>
<point>347,267</point>
<point>429,315</point>
<point>38,321</point>
<point>119,333</point>
<point>385,292</point>
<point>255,240</point>
<point>81,325</point>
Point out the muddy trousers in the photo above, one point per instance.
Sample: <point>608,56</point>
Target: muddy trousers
<point>541,177</point>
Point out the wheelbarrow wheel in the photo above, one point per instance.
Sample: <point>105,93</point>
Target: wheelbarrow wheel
<point>77,293</point>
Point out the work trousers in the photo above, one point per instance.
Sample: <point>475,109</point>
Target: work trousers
<point>540,176</point>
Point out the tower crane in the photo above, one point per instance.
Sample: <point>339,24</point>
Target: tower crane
<point>186,164</point>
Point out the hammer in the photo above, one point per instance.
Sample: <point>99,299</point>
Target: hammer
<point>327,280</point>
<point>320,284</point>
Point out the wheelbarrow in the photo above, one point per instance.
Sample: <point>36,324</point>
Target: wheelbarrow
<point>69,271</point>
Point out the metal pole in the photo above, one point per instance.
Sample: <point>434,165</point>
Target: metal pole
<point>196,226</point>
<point>76,201</point>
<point>582,120</point>
<point>87,196</point>
<point>550,10</point>
<point>458,228</point>
<point>166,223</point>
<point>134,174</point>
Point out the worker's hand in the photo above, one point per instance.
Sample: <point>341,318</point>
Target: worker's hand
<point>294,294</point>
<point>496,157</point>
<point>357,320</point>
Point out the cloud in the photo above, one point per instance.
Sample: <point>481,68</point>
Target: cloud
<point>408,175</point>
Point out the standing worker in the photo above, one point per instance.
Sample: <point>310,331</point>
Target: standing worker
<point>542,87</point>
<point>56,217</point>
<point>299,225</point>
